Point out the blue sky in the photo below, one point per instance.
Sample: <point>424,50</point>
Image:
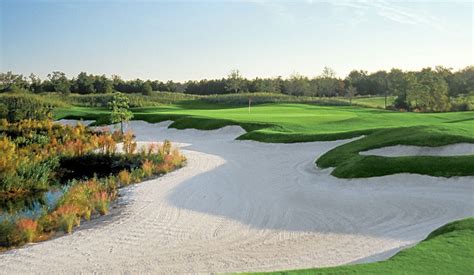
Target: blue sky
<point>183,40</point>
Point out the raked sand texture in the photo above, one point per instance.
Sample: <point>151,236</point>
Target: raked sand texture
<point>250,206</point>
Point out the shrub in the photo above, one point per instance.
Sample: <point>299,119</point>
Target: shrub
<point>129,145</point>
<point>9,235</point>
<point>68,218</point>
<point>137,175</point>
<point>124,177</point>
<point>101,202</point>
<point>462,106</point>
<point>15,107</point>
<point>147,168</point>
<point>28,228</point>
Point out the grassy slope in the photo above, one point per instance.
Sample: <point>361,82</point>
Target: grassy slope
<point>303,122</point>
<point>447,250</point>
<point>349,164</point>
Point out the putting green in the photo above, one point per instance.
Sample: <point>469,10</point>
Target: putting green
<point>305,122</point>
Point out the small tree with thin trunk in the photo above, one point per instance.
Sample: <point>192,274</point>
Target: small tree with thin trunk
<point>351,92</point>
<point>120,109</point>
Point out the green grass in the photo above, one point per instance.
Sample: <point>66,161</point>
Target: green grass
<point>350,164</point>
<point>447,250</point>
<point>288,123</point>
<point>373,102</point>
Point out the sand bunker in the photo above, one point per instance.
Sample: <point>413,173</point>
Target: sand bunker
<point>74,122</point>
<point>459,149</point>
<point>250,206</point>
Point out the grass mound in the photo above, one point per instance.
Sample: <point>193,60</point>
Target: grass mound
<point>349,163</point>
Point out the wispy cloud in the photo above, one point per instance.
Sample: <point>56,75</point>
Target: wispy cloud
<point>392,11</point>
<point>353,12</point>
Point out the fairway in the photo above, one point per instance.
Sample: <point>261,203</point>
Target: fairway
<point>289,123</point>
<point>285,122</point>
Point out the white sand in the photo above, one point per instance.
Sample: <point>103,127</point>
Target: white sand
<point>74,122</point>
<point>249,206</point>
<point>458,149</point>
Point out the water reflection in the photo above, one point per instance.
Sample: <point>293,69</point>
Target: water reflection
<point>31,206</point>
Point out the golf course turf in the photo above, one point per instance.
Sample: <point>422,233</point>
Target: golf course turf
<point>287,123</point>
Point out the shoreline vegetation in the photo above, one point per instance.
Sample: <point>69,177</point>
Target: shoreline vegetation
<point>39,155</point>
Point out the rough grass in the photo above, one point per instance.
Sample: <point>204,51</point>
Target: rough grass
<point>286,123</point>
<point>447,250</point>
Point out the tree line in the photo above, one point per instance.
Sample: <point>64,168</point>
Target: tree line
<point>429,89</point>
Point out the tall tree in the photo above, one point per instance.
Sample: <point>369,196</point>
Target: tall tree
<point>146,88</point>
<point>35,83</point>
<point>59,82</point>
<point>103,85</point>
<point>234,82</point>
<point>296,85</point>
<point>83,84</point>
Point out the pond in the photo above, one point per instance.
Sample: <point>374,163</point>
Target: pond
<point>31,206</point>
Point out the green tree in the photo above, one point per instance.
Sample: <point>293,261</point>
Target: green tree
<point>10,82</point>
<point>146,88</point>
<point>234,82</point>
<point>103,85</point>
<point>428,91</point>
<point>120,109</point>
<point>351,92</point>
<point>59,82</point>
<point>296,85</point>
<point>84,84</point>
<point>35,84</point>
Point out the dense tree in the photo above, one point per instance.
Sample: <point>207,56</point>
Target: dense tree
<point>296,85</point>
<point>265,85</point>
<point>234,82</point>
<point>103,85</point>
<point>10,82</point>
<point>59,82</point>
<point>146,88</point>
<point>326,84</point>
<point>432,91</point>
<point>359,80</point>
<point>83,84</point>
<point>35,84</point>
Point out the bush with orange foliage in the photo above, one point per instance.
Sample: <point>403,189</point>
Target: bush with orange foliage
<point>27,228</point>
<point>101,202</point>
<point>124,177</point>
<point>68,217</point>
<point>147,168</point>
<point>129,144</point>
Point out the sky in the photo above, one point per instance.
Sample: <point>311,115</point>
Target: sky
<point>192,40</point>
